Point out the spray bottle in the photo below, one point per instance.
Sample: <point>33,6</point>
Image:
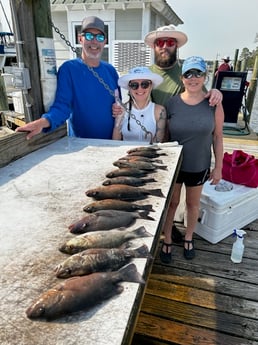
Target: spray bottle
<point>238,246</point>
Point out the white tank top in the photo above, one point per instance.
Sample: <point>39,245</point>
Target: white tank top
<point>147,118</point>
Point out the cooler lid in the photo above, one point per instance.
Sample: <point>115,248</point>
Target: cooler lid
<point>222,199</point>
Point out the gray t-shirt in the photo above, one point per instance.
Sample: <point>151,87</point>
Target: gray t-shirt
<point>192,126</point>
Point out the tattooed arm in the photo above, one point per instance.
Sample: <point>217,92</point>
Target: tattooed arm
<point>161,123</point>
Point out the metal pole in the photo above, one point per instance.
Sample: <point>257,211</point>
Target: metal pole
<point>252,87</point>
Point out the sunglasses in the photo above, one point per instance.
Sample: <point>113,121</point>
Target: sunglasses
<point>193,73</point>
<point>144,84</point>
<point>89,36</point>
<point>160,42</point>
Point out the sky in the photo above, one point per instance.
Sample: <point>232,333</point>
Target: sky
<point>216,28</point>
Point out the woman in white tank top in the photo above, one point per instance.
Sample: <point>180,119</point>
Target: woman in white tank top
<point>141,111</point>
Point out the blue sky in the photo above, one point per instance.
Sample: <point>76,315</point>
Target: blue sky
<point>217,28</point>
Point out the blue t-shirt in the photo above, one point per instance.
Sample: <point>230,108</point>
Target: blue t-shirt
<point>83,100</point>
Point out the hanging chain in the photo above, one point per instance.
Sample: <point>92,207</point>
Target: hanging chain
<point>102,82</point>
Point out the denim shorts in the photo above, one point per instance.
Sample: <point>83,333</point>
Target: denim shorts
<point>191,179</point>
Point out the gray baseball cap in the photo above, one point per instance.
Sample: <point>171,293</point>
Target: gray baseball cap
<point>93,23</point>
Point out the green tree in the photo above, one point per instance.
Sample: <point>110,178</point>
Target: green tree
<point>248,55</point>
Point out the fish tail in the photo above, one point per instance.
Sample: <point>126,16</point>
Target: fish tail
<point>142,232</point>
<point>151,179</point>
<point>147,208</point>
<point>129,273</point>
<point>162,167</point>
<point>142,252</point>
<point>144,215</point>
<point>157,192</point>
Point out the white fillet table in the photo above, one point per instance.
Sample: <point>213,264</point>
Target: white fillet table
<point>41,195</point>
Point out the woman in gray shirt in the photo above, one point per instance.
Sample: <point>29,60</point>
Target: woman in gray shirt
<point>197,126</point>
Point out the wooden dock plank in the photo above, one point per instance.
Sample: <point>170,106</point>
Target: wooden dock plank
<point>208,300</point>
<point>161,332</point>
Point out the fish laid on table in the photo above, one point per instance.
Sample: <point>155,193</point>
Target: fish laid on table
<point>99,260</point>
<point>127,172</point>
<point>81,293</point>
<point>129,180</point>
<point>139,165</point>
<point>132,158</point>
<point>153,148</point>
<point>122,192</point>
<point>115,204</point>
<point>102,239</point>
<point>106,220</point>
<point>148,154</point>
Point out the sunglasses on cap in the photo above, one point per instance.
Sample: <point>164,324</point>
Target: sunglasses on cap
<point>160,42</point>
<point>134,85</point>
<point>193,73</point>
<point>89,36</point>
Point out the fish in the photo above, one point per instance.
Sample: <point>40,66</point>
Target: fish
<point>128,180</point>
<point>81,293</point>
<point>106,220</point>
<point>132,158</point>
<point>102,239</point>
<point>99,260</point>
<point>139,165</point>
<point>122,192</point>
<point>126,172</point>
<point>116,204</point>
<point>153,148</point>
<point>146,153</point>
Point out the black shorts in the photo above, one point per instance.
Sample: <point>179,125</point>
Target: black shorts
<point>193,179</point>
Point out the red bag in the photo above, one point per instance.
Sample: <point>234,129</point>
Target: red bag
<point>240,168</point>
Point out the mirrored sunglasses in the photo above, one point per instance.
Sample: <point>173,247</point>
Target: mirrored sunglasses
<point>160,42</point>
<point>134,85</point>
<point>193,73</point>
<point>89,36</point>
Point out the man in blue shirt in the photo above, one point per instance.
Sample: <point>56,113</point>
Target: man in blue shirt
<point>80,96</point>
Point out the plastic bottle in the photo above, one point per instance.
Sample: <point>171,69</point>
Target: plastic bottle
<point>238,246</point>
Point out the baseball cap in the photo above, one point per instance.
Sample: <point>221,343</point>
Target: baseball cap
<point>194,62</point>
<point>93,23</point>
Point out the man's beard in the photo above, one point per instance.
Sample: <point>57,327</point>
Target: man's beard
<point>167,61</point>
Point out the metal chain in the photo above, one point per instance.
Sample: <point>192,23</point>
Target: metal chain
<point>102,82</point>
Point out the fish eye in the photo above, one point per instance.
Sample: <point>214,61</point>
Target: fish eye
<point>42,310</point>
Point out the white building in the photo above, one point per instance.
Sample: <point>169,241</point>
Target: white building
<point>127,22</point>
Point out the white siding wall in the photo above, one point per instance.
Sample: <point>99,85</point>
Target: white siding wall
<point>62,50</point>
<point>128,25</point>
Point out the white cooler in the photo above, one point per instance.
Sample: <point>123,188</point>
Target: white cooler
<point>222,212</point>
